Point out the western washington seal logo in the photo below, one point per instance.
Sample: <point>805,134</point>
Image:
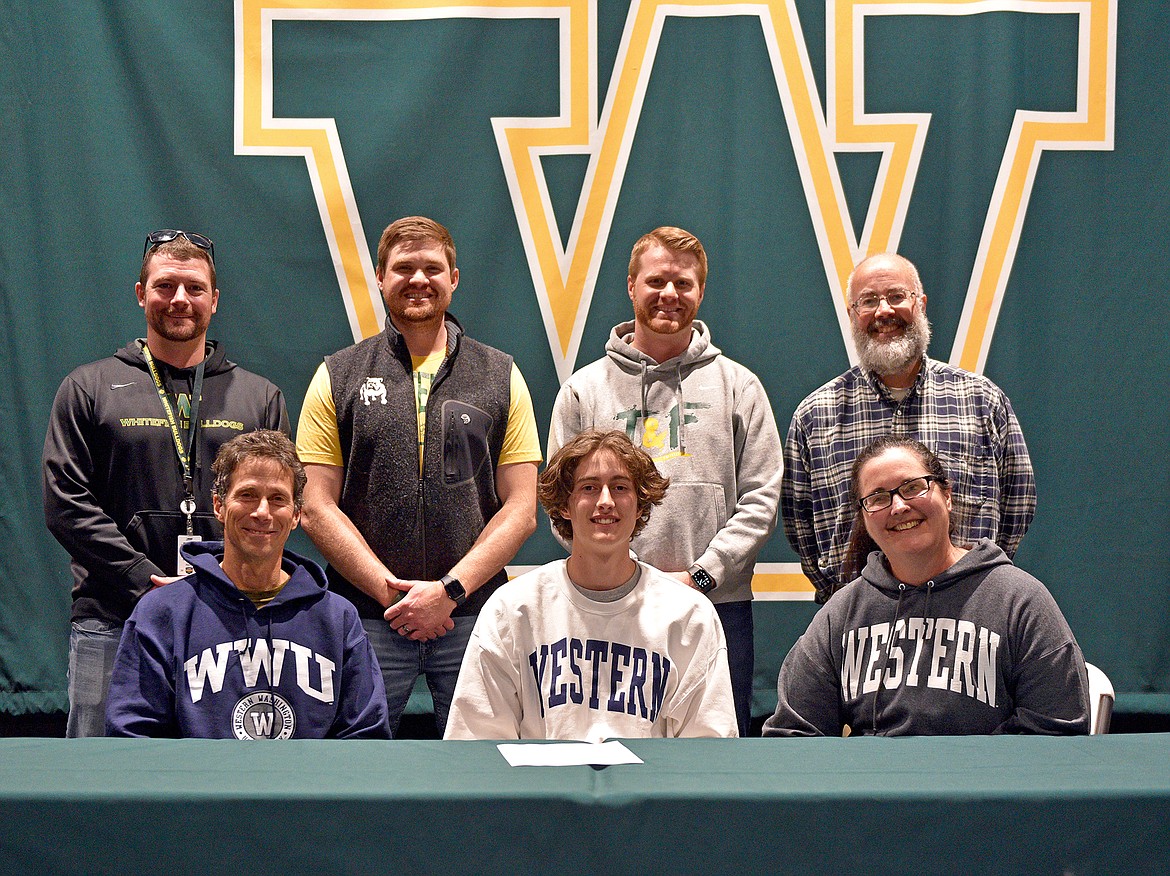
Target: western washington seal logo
<point>263,715</point>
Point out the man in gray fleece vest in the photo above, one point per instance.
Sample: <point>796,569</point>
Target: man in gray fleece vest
<point>707,423</point>
<point>421,451</point>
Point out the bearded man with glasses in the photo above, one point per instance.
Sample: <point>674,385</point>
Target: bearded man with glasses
<point>128,453</point>
<point>896,388</point>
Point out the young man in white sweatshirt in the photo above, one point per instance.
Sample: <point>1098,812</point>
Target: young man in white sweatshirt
<point>598,645</point>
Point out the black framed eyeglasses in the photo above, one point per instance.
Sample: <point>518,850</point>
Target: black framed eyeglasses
<point>166,235</point>
<point>915,488</point>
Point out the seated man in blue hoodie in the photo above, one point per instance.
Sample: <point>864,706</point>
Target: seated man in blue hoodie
<point>252,645</point>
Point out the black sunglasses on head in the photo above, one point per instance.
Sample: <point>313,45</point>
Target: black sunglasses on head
<point>166,235</point>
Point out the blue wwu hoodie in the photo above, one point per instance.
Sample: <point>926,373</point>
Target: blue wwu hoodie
<point>198,659</point>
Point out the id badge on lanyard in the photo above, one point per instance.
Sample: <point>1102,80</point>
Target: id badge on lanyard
<point>186,454</point>
<point>187,506</point>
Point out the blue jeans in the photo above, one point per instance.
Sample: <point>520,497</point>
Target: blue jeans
<point>403,660</point>
<point>93,644</point>
<point>739,628</point>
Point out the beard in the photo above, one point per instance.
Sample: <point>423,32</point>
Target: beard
<point>663,325</point>
<point>414,313</point>
<point>423,312</point>
<point>178,331</point>
<point>894,356</point>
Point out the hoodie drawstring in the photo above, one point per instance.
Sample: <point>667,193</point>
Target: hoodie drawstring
<point>242,602</point>
<point>886,657</point>
<point>645,393</point>
<point>890,642</point>
<point>268,674</point>
<point>679,398</point>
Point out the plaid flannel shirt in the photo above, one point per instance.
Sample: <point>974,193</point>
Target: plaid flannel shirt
<point>963,417</point>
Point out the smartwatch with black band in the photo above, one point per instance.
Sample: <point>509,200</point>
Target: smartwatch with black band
<point>703,580</point>
<point>455,590</point>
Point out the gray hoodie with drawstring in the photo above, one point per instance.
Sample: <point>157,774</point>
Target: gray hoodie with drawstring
<point>708,424</point>
<point>981,648</point>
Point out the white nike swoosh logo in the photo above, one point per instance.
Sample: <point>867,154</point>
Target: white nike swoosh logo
<point>120,385</point>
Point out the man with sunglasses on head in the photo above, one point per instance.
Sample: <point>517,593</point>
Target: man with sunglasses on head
<point>896,388</point>
<point>128,453</point>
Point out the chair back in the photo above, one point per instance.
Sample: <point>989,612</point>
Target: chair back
<point>1100,700</point>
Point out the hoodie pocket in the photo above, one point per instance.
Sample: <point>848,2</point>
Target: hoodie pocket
<point>156,534</point>
<point>680,530</point>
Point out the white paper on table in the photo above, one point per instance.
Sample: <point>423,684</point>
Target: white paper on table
<point>566,753</point>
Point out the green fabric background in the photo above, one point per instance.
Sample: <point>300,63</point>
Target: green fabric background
<point>118,118</point>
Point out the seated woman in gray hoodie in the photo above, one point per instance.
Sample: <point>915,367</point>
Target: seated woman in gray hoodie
<point>931,637</point>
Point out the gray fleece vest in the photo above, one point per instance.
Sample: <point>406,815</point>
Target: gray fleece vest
<point>419,527</point>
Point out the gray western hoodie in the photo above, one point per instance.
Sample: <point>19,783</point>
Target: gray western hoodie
<point>707,422</point>
<point>980,648</point>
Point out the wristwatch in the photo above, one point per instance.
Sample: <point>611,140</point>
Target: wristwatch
<point>703,580</point>
<point>455,590</point>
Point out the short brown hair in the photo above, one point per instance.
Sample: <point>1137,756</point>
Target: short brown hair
<point>414,229</point>
<point>674,239</point>
<point>261,444</point>
<point>180,248</point>
<point>560,476</point>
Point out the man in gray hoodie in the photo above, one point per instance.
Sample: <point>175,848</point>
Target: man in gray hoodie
<point>707,423</point>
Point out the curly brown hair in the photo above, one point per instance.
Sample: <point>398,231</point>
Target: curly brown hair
<point>558,479</point>
<point>261,444</point>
